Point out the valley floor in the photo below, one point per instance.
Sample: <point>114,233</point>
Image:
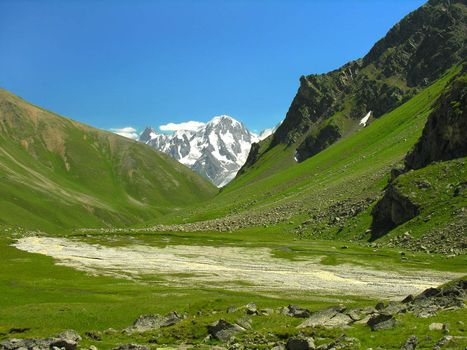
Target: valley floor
<point>93,282</point>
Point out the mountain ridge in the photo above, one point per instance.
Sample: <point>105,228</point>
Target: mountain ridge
<point>414,53</point>
<point>215,150</point>
<point>83,174</point>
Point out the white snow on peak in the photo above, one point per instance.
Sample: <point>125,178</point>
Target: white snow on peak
<point>216,149</point>
<point>364,120</point>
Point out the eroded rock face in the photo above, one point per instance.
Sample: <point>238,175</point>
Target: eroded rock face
<point>445,133</point>
<point>392,210</point>
<point>444,138</point>
<point>415,52</point>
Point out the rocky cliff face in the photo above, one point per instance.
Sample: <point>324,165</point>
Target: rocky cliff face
<point>392,210</point>
<point>445,134</point>
<point>444,138</point>
<point>414,53</point>
<point>216,150</point>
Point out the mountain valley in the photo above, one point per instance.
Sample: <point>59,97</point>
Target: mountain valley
<point>344,227</point>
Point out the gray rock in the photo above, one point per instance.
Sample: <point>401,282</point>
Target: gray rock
<point>410,343</point>
<point>381,322</point>
<point>67,340</point>
<point>244,322</point>
<point>319,318</point>
<point>146,323</point>
<point>339,320</point>
<point>394,309</point>
<point>251,309</point>
<point>131,346</point>
<point>300,343</point>
<point>223,330</point>
<point>442,342</point>
<point>296,311</point>
<point>436,326</point>
<point>266,312</point>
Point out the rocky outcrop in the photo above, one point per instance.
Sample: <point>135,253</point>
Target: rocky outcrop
<point>444,138</point>
<point>315,144</point>
<point>392,210</point>
<point>445,134</point>
<point>223,330</point>
<point>414,53</point>
<point>67,340</point>
<point>146,323</point>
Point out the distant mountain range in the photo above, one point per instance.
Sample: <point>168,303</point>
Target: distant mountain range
<point>215,150</point>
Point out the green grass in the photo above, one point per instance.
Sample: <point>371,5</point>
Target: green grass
<point>56,173</point>
<point>355,167</point>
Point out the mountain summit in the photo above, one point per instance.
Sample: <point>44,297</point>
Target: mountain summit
<point>215,150</point>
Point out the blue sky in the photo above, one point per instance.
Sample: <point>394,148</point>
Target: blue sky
<point>116,63</point>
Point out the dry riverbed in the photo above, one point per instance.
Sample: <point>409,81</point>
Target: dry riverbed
<point>234,268</point>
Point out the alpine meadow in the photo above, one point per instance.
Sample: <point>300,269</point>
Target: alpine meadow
<point>340,225</point>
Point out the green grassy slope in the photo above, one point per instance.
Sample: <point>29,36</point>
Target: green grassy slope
<point>56,172</point>
<point>409,57</point>
<point>354,169</point>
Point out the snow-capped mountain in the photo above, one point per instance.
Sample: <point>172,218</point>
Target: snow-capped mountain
<point>215,150</point>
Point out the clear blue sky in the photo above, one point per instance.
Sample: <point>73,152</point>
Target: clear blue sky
<point>136,63</point>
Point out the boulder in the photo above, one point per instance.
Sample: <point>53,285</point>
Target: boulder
<point>394,309</point>
<point>381,322</point>
<point>436,326</point>
<point>223,330</point>
<point>296,311</point>
<point>244,322</point>
<point>339,320</point>
<point>251,309</point>
<point>320,318</point>
<point>146,323</point>
<point>410,343</point>
<point>300,343</point>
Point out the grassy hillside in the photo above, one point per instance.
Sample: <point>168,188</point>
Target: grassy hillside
<point>56,173</point>
<point>411,56</point>
<point>341,182</point>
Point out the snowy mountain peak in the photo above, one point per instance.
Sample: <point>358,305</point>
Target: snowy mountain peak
<point>147,135</point>
<point>215,150</point>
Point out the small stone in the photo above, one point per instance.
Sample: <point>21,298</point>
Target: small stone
<point>410,343</point>
<point>436,326</point>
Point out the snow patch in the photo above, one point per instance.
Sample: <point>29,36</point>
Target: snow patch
<point>364,120</point>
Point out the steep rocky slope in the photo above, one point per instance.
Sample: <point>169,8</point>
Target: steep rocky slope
<point>444,138</point>
<point>445,134</point>
<point>413,54</point>
<point>56,172</point>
